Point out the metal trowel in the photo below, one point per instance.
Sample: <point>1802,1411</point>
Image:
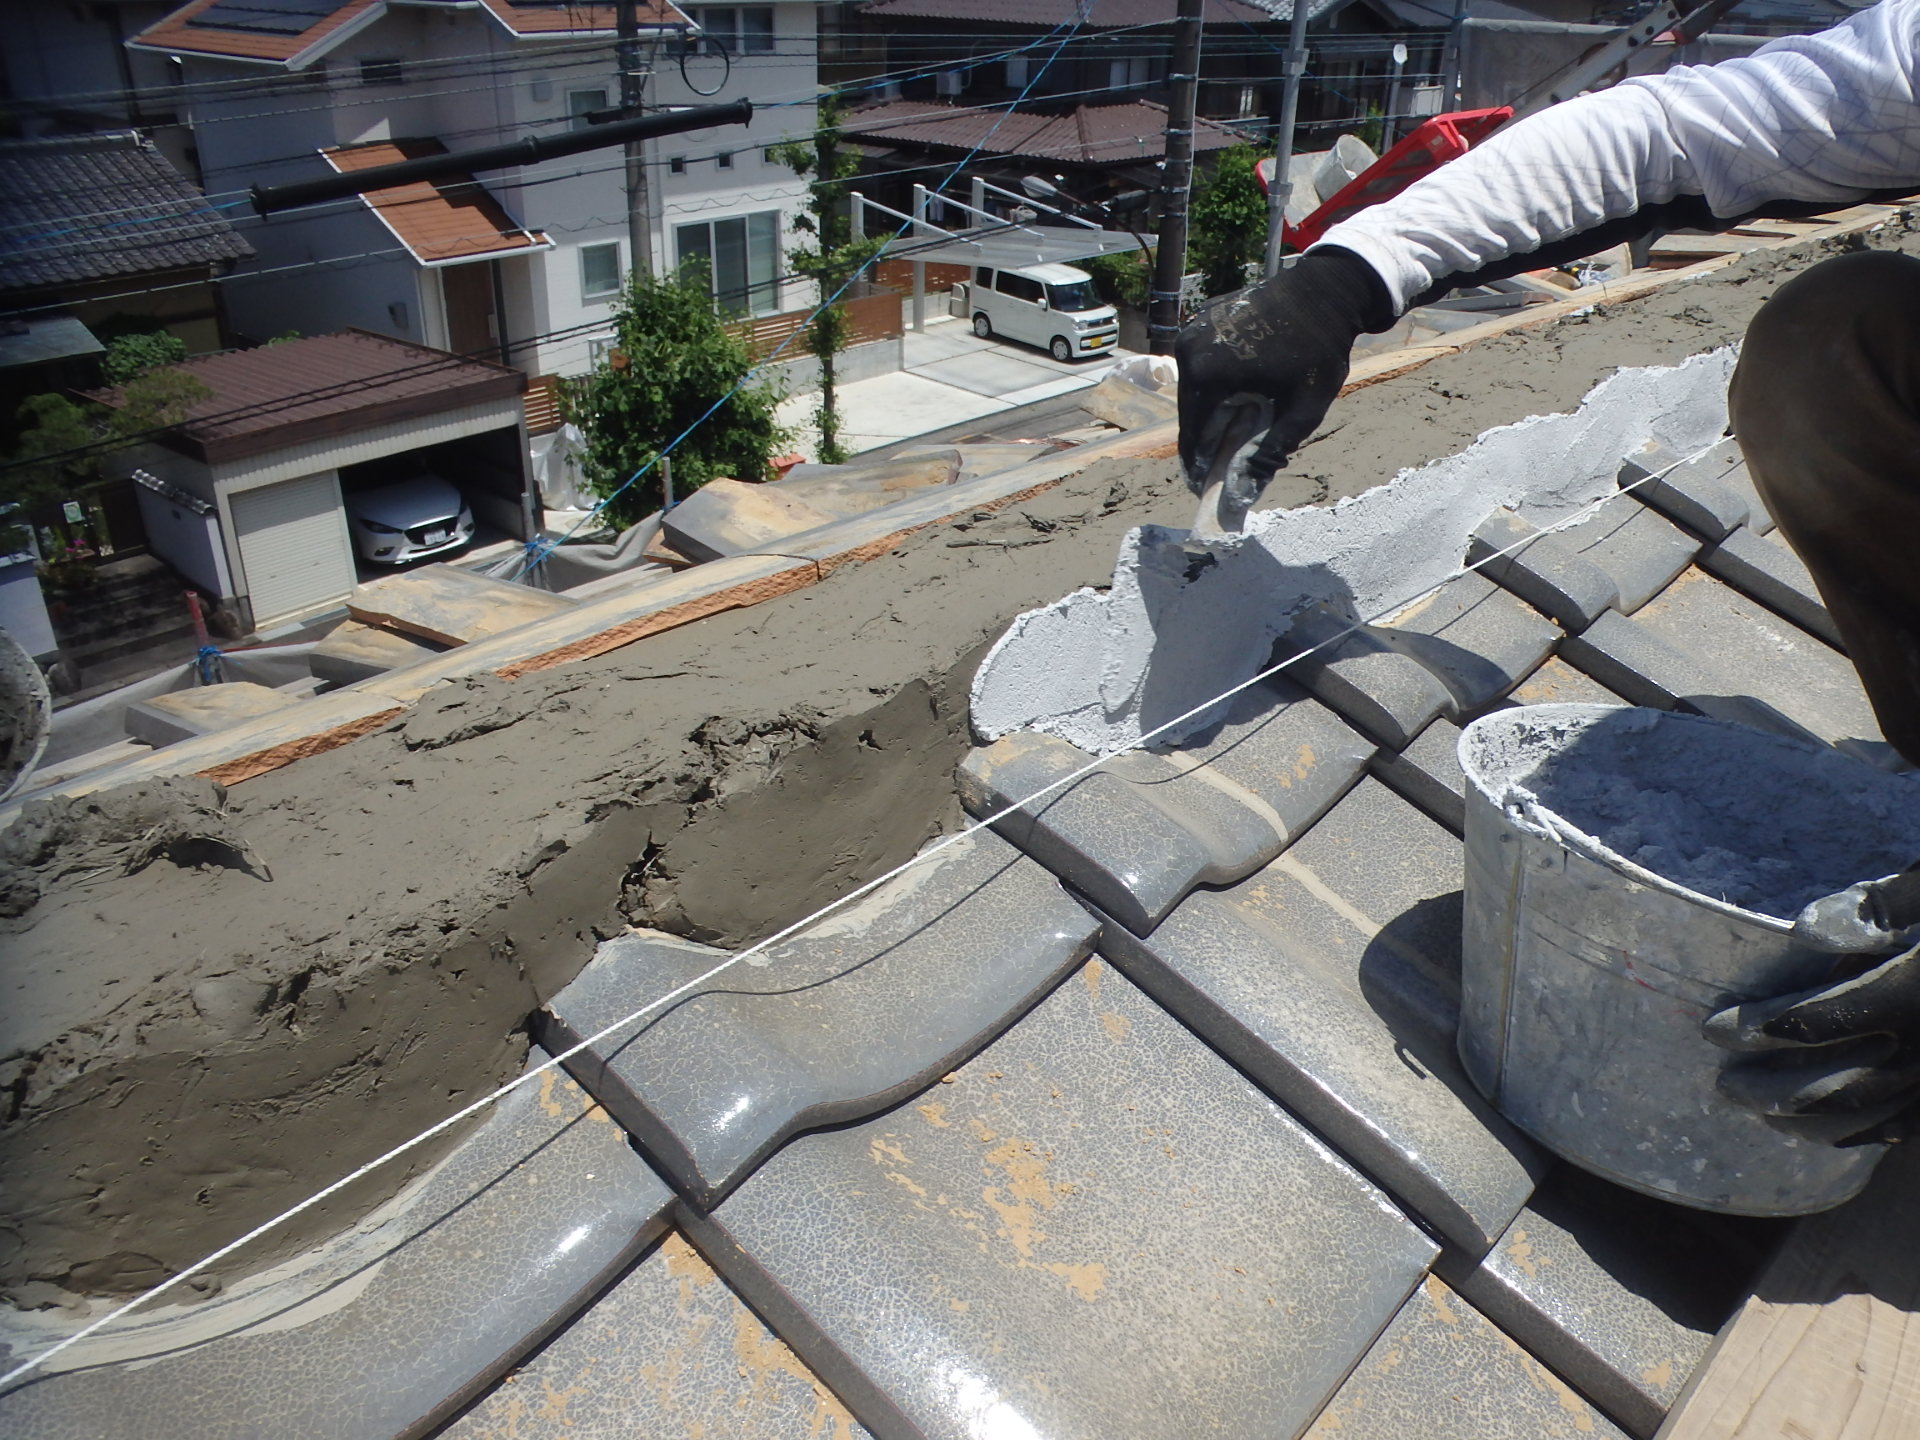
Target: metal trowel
<point>1229,489</point>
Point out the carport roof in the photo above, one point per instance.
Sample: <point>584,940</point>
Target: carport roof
<point>286,394</point>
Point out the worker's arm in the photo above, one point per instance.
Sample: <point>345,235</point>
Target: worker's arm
<point>1818,118</point>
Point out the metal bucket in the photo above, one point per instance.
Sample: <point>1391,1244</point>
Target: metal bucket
<point>1586,975</point>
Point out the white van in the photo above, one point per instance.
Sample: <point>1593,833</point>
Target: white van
<point>1052,306</point>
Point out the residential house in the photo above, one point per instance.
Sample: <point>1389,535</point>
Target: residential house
<point>523,265</point>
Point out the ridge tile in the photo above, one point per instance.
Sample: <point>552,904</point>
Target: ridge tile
<point>1547,573</point>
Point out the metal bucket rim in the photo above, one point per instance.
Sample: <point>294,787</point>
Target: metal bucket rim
<point>1538,820</point>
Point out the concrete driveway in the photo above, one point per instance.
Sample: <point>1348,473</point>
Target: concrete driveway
<point>951,376</point>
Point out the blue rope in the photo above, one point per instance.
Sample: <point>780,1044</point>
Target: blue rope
<point>207,664</point>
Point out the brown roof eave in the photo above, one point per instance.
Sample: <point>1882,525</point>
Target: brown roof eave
<point>218,450</point>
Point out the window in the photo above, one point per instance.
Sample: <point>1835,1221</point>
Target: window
<point>983,276</point>
<point>1137,70</point>
<point>381,72</point>
<point>599,270</point>
<point>1019,71</point>
<point>723,161</point>
<point>742,29</point>
<point>741,256</point>
<point>769,157</point>
<point>677,165</point>
<point>581,102</point>
<point>1020,287</point>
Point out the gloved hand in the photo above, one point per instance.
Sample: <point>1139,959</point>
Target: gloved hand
<point>1283,341</point>
<point>1838,1063</point>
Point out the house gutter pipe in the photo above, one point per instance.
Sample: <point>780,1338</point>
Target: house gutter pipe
<point>530,150</point>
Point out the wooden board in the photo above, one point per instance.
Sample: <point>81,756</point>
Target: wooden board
<point>455,607</point>
<point>1828,1345</point>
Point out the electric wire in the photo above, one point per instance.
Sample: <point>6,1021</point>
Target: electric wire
<point>555,1061</point>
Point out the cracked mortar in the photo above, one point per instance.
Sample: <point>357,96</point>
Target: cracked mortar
<point>189,1046</point>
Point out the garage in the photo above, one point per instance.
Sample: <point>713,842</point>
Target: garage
<point>292,435</point>
<point>293,544</point>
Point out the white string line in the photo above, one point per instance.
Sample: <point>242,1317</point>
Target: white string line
<point>555,1061</point>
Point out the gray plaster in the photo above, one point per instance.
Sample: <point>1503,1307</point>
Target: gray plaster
<point>392,1325</point>
<point>1689,495</point>
<point>1640,551</point>
<point>1545,571</point>
<point>1764,569</point>
<point>1428,773</point>
<point>1133,836</point>
<point>1099,669</point>
<point>829,1026</point>
<point>1096,1229</point>
<point>1619,1293</point>
<point>1443,1371</point>
<point>669,1353</point>
<point>1332,978</point>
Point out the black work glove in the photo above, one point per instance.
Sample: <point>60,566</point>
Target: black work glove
<point>1281,344</point>
<point>1839,1063</point>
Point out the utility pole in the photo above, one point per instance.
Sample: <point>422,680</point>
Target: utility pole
<point>1176,182</point>
<point>632,82</point>
<point>1293,64</point>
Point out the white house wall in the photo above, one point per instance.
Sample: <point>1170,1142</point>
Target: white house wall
<point>510,88</point>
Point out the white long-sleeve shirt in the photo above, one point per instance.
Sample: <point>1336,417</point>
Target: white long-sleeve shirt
<point>1828,117</point>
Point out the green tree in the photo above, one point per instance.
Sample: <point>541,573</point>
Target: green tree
<point>1229,221</point>
<point>61,444</point>
<point>832,260</point>
<point>1121,278</point>
<point>673,361</point>
<point>131,356</point>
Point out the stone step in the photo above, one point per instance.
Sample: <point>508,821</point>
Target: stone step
<point>1332,978</point>
<point>1143,830</point>
<point>669,1351</point>
<point>1443,1371</point>
<point>1619,1293</point>
<point>828,1027</point>
<point>1095,1229</point>
<point>389,1328</point>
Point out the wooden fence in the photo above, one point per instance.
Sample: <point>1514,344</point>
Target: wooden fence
<point>542,402</point>
<point>899,275</point>
<point>873,316</point>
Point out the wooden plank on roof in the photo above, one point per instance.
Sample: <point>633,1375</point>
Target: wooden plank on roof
<point>1828,1345</point>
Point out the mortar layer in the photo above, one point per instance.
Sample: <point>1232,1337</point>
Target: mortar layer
<point>189,1047</point>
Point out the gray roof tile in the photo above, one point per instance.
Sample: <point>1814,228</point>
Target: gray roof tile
<point>1634,545</point>
<point>380,1334</point>
<point>1443,1371</point>
<point>829,1026</point>
<point>670,1351</point>
<point>1428,773</point>
<point>1689,495</point>
<point>1619,1293</point>
<point>1549,574</point>
<point>82,208</point>
<point>1332,978</point>
<point>1096,1229</point>
<point>1764,569</point>
<point>1478,639</point>
<point>1381,691</point>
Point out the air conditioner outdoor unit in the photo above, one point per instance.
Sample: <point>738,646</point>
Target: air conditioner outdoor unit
<point>950,82</point>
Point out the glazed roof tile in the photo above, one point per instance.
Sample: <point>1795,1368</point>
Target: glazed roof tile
<point>1223,1176</point>
<point>67,199</point>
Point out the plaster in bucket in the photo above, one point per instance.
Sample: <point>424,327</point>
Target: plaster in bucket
<point>1630,872</point>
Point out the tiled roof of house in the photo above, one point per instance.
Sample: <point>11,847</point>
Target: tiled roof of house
<point>1103,15</point>
<point>278,395</point>
<point>295,32</point>
<point>1089,135</point>
<point>83,208</point>
<point>1137,1115</point>
<point>438,220</point>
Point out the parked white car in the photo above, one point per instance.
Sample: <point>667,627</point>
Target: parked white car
<point>1052,306</point>
<point>409,519</point>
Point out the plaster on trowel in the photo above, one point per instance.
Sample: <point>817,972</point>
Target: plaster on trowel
<point>1230,487</point>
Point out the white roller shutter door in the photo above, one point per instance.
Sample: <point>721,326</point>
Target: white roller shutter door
<point>294,545</point>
